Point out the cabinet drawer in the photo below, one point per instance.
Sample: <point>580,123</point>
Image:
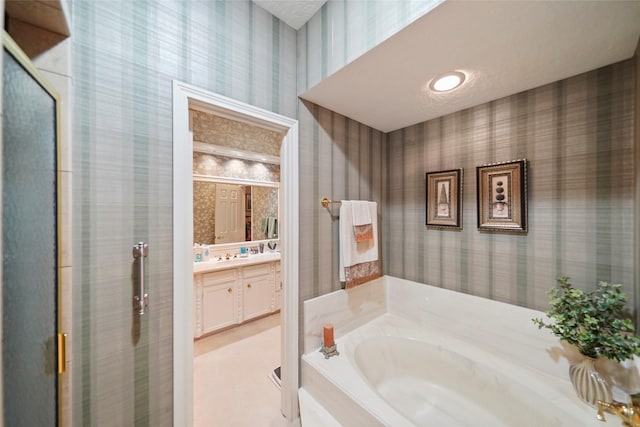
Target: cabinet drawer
<point>256,270</point>
<point>223,276</point>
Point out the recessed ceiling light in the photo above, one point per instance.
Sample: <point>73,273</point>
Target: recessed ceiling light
<point>447,81</point>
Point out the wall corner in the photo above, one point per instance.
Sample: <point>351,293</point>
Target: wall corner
<point>636,216</point>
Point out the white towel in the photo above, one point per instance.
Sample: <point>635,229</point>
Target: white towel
<point>361,212</point>
<point>362,227</point>
<point>272,227</point>
<point>354,254</point>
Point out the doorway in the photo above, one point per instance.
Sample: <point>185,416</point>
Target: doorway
<point>186,97</point>
<point>236,181</point>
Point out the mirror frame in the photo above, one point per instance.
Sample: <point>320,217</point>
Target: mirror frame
<point>240,181</point>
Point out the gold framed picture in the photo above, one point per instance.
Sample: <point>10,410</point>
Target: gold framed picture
<point>444,199</point>
<point>502,196</point>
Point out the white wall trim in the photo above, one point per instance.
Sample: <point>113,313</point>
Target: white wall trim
<point>186,96</point>
<point>239,181</point>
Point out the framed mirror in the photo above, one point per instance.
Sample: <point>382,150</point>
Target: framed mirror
<point>232,210</point>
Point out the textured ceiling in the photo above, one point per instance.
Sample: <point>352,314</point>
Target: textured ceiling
<point>294,13</point>
<point>504,47</point>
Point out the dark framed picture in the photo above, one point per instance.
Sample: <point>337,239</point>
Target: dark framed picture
<point>502,196</point>
<point>444,199</point>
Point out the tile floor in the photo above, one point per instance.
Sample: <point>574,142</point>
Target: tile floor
<point>232,384</point>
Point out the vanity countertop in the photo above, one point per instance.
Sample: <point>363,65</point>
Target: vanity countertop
<point>215,265</point>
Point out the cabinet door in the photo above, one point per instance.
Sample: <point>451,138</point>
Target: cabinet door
<point>257,293</point>
<point>219,306</point>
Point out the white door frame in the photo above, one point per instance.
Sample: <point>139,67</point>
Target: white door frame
<point>186,96</point>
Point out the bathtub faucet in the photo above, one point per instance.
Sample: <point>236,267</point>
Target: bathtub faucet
<point>628,413</point>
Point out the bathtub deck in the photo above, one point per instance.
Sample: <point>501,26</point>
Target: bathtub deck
<point>525,360</point>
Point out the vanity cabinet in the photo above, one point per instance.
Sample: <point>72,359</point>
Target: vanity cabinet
<point>232,296</point>
<point>219,305</point>
<point>257,290</point>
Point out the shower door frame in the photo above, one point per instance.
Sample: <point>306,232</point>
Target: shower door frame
<point>186,96</point>
<point>62,349</point>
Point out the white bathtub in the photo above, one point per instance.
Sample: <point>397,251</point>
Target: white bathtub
<point>429,379</point>
<point>397,372</point>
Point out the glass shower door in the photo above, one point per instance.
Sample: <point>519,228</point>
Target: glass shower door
<point>29,246</point>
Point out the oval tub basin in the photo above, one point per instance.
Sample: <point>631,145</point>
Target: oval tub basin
<point>434,386</point>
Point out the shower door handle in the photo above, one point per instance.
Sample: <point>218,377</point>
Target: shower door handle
<point>141,300</point>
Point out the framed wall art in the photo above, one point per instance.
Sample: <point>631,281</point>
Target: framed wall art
<point>444,199</point>
<point>502,196</point>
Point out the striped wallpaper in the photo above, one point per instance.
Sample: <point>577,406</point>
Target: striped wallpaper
<point>125,55</point>
<point>343,30</point>
<point>339,159</point>
<point>577,135</point>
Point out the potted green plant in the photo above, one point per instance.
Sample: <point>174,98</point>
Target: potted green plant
<point>595,323</point>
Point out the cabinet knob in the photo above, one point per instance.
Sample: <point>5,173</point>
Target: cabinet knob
<point>281,284</point>
<point>248,285</point>
<point>229,290</point>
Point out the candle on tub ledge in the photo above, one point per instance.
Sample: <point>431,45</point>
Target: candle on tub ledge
<point>328,343</point>
<point>328,336</point>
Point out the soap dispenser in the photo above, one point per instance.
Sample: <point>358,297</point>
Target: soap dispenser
<point>206,253</point>
<point>197,253</point>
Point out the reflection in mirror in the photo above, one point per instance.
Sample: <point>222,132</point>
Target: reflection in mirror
<point>230,213</point>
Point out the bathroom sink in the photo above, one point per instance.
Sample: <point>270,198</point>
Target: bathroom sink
<point>214,264</point>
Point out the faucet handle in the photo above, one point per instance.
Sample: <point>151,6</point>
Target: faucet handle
<point>628,413</point>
